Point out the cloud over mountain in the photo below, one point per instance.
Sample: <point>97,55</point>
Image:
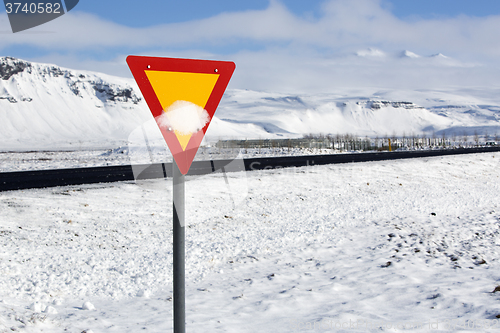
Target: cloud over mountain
<point>282,51</point>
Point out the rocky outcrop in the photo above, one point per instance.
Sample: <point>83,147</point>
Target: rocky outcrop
<point>77,82</point>
<point>111,92</point>
<point>11,66</point>
<point>376,105</point>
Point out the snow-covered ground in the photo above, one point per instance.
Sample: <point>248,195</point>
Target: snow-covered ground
<point>391,246</point>
<point>43,160</point>
<point>407,245</point>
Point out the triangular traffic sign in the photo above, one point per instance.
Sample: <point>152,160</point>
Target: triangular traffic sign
<point>182,95</point>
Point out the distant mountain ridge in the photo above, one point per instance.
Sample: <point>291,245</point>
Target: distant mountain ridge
<point>45,106</point>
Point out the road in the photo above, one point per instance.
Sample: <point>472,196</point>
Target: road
<point>76,176</point>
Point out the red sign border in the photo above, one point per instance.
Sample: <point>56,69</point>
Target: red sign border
<point>140,64</point>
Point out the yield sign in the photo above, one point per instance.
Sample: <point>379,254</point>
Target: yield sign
<point>182,95</point>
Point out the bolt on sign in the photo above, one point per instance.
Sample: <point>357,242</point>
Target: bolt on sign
<point>182,95</point>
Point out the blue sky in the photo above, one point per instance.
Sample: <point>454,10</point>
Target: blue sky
<point>150,12</point>
<point>279,44</point>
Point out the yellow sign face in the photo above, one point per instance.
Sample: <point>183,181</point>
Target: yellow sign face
<point>171,87</point>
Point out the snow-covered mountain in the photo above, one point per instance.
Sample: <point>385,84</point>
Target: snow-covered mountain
<point>409,54</point>
<point>47,107</point>
<point>43,106</point>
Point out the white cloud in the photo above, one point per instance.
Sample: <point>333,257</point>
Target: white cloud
<point>81,31</point>
<point>344,24</point>
<point>280,71</point>
<point>370,52</point>
<point>275,49</point>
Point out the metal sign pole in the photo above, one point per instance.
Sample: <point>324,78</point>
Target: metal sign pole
<point>198,82</point>
<point>179,250</point>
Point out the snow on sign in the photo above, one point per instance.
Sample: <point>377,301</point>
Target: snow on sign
<point>182,95</point>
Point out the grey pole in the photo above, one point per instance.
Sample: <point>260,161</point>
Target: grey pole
<point>179,251</point>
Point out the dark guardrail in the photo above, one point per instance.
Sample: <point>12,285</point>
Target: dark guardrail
<point>77,176</point>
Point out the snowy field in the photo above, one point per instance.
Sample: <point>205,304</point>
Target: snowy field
<point>407,245</point>
<point>43,160</point>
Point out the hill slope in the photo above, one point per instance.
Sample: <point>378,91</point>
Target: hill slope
<point>44,106</point>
